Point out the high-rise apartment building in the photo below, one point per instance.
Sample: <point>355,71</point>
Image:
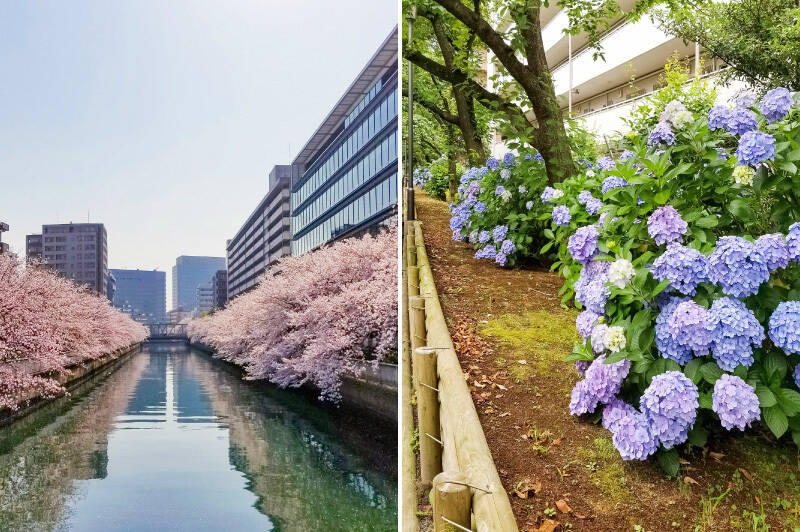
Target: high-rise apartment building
<point>345,177</point>
<point>190,272</point>
<point>265,236</point>
<point>76,251</point>
<point>219,285</point>
<point>204,299</point>
<point>142,294</point>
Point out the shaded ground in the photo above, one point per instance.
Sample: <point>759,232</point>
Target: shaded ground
<point>511,336</point>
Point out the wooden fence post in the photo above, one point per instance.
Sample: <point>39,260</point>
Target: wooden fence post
<point>430,444</point>
<point>452,500</point>
<point>413,280</point>
<point>411,250</point>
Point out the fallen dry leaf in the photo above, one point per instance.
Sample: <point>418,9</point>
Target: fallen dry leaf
<point>690,480</point>
<point>746,473</point>
<point>716,456</point>
<point>525,487</point>
<point>523,362</point>
<point>563,507</point>
<point>548,526</point>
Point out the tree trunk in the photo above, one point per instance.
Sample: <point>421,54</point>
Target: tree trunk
<point>452,174</point>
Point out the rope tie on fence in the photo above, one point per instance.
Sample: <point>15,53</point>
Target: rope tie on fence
<point>446,520</point>
<point>429,387</point>
<point>434,439</point>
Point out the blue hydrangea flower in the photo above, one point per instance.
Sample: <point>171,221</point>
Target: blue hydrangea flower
<point>684,267</point>
<point>492,163</point>
<point>776,104</point>
<point>561,215</point>
<point>473,237</point>
<point>626,154</point>
<point>775,250</point>
<point>722,154</point>
<point>484,237</point>
<point>615,410</point>
<point>606,379</point>
<point>741,120</point>
<point>755,147</point>
<point>737,266</point>
<point>505,173</point>
<point>508,247</point>
<point>746,99</point>
<point>593,206</point>
<point>584,196</point>
<point>499,233</point>
<point>583,400</point>
<point>667,345</point>
<point>585,322</point>
<point>590,288</point>
<point>661,134</point>
<point>796,375</point>
<point>666,225</point>
<point>605,163</point>
<point>527,156</point>
<point>509,159</point>
<point>718,117</point>
<point>735,402</point>
<point>688,327</point>
<point>632,438</point>
<point>500,258</point>
<point>538,157</point>
<point>670,406</point>
<point>612,182</point>
<point>734,332</point>
<point>489,252</point>
<point>581,366</point>
<point>784,326</point>
<point>793,242</point>
<point>582,244</point>
<point>550,194</point>
<point>499,190</point>
<point>479,207</point>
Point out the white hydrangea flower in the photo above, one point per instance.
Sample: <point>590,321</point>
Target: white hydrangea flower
<point>743,175</point>
<point>590,173</point>
<point>557,194</point>
<point>506,195</point>
<point>529,205</point>
<point>672,109</point>
<point>505,173</point>
<point>615,339</point>
<point>522,189</point>
<point>682,118</point>
<point>620,273</point>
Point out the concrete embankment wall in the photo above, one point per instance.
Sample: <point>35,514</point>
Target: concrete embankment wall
<point>75,375</point>
<point>374,391</point>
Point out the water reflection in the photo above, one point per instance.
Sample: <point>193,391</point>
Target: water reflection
<point>175,441</point>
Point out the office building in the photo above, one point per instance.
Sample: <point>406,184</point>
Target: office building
<point>178,315</point>
<point>265,236</point>
<point>111,287</point>
<point>204,299</point>
<point>190,272</point>
<point>142,294</point>
<point>219,285</point>
<point>76,251</point>
<point>344,180</point>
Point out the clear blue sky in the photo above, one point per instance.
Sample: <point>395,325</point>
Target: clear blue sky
<point>162,118</point>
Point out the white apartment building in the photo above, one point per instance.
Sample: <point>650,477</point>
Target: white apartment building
<point>603,92</point>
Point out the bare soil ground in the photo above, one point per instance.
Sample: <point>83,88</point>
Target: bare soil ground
<point>512,335</point>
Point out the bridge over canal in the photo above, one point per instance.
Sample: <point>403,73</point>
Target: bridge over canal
<point>169,331</point>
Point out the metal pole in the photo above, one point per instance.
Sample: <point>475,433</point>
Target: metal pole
<point>410,148</point>
<point>697,60</point>
<point>569,58</point>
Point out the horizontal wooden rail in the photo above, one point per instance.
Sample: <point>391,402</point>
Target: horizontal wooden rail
<point>464,445</point>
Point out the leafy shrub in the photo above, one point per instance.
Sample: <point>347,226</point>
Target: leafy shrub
<point>435,178</point>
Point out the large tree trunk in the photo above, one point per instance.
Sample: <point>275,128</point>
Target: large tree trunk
<point>452,174</point>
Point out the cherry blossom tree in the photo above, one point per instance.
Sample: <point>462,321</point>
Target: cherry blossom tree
<point>313,318</point>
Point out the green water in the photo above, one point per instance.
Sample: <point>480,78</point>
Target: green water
<point>173,441</point>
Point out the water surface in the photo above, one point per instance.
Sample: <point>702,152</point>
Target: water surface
<point>174,441</point>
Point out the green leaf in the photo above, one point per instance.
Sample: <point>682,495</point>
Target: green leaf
<point>775,366</point>
<point>775,419</point>
<point>662,197</point>
<point>698,436</point>
<point>793,155</point>
<point>765,396</point>
<point>615,357</point>
<point>710,372</point>
<point>705,400</point>
<point>740,209</point>
<point>668,460</point>
<point>692,370</point>
<point>796,437</point>
<point>789,401</point>
<point>787,167</point>
<point>707,221</point>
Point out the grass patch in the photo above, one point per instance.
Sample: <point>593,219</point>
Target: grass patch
<point>607,470</point>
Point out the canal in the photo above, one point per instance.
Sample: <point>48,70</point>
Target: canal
<point>172,440</point>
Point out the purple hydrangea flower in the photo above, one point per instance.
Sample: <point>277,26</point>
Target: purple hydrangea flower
<point>793,241</point>
<point>661,134</point>
<point>734,332</point>
<point>606,379</point>
<point>796,375</point>
<point>457,235</point>
<point>746,99</point>
<point>722,154</point>
<point>590,288</point>
<point>667,344</point>
<point>508,247</point>
<point>626,154</point>
<point>666,225</point>
<point>605,163</point>
<point>612,182</point>
<point>784,326</point>
<point>581,366</point>
<point>593,206</point>
<point>499,190</point>
<point>584,196</point>
<point>500,258</point>
<point>492,163</point>
<point>614,412</point>
<point>582,244</point>
<point>473,237</point>
<point>598,337</point>
<point>550,193</point>
<point>583,400</point>
<point>755,147</point>
<point>718,117</point>
<point>561,215</point>
<point>509,159</point>
<point>632,438</point>
<point>735,402</point>
<point>670,406</point>
<point>776,104</point>
<point>489,252</point>
<point>741,120</point>
<point>484,237</point>
<point>479,207</point>
<point>737,266</point>
<point>538,157</point>
<point>499,233</point>
<point>688,327</point>
<point>527,156</point>
<point>684,267</point>
<point>585,322</point>
<point>775,250</point>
